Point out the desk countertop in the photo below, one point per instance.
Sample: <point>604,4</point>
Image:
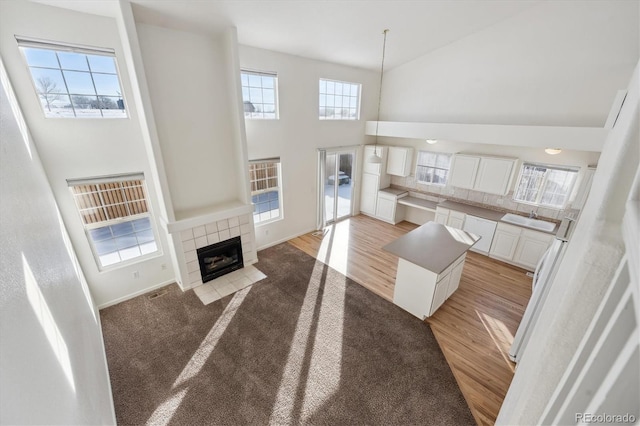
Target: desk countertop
<point>432,246</point>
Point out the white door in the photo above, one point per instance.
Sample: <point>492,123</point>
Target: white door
<point>531,246</point>
<point>505,241</point>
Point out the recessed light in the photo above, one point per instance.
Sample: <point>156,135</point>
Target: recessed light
<point>553,151</point>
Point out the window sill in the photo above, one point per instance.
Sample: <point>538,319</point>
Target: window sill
<point>130,262</point>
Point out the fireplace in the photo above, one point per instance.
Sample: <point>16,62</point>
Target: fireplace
<point>220,258</point>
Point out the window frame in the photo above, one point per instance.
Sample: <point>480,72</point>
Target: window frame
<point>541,190</point>
<point>334,118</point>
<point>60,47</point>
<point>276,100</point>
<point>88,227</point>
<point>437,153</point>
<point>280,216</point>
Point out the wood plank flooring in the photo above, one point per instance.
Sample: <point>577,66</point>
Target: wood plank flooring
<point>474,328</point>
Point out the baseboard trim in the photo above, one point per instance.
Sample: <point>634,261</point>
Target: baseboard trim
<point>134,294</point>
<point>284,240</point>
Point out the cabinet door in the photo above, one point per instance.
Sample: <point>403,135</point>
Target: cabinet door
<point>374,168</point>
<point>386,209</point>
<point>456,219</point>
<point>369,193</point>
<point>464,169</point>
<point>440,295</point>
<point>584,189</point>
<point>494,175</point>
<point>442,215</point>
<point>505,241</point>
<point>531,247</point>
<point>399,161</point>
<point>454,281</point>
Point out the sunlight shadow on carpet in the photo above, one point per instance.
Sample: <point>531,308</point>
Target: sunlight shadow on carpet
<point>165,411</point>
<point>209,343</point>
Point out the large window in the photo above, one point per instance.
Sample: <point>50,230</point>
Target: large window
<point>73,81</point>
<point>433,167</point>
<point>266,191</point>
<point>260,94</point>
<point>116,217</point>
<point>542,185</point>
<point>339,100</point>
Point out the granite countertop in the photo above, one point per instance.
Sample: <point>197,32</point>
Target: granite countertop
<point>432,246</point>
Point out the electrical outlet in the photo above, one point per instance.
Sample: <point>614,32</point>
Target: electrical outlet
<point>499,201</point>
<point>485,199</point>
<point>136,274</point>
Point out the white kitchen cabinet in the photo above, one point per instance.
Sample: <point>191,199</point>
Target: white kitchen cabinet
<point>520,246</point>
<point>456,219</point>
<point>494,175</point>
<point>505,241</point>
<point>464,169</point>
<point>442,215</point>
<point>369,193</point>
<point>399,161</point>
<point>375,168</point>
<point>486,174</point>
<point>388,209</point>
<point>420,291</point>
<point>531,247</point>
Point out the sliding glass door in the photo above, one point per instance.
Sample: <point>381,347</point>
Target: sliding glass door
<point>338,185</point>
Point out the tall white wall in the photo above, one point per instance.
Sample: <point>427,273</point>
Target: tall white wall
<point>78,148</point>
<point>557,63</point>
<point>589,264</point>
<point>297,135</point>
<point>190,93</point>
<point>52,358</point>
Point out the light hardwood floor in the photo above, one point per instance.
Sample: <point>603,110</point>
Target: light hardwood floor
<point>474,328</point>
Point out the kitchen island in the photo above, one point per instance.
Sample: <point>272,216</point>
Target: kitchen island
<point>430,264</point>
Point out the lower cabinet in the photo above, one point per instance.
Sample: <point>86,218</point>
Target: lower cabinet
<point>420,291</point>
<point>448,217</point>
<point>522,247</point>
<point>388,209</point>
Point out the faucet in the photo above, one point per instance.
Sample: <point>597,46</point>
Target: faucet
<point>533,215</point>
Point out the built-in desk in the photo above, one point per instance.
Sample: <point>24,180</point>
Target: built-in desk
<point>430,264</point>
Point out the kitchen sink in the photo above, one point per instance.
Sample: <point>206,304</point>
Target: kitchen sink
<point>540,225</point>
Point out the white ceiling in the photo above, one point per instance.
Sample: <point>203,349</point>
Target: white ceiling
<point>348,32</point>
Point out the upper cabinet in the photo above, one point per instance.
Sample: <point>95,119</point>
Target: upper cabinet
<point>399,161</point>
<point>486,174</point>
<point>464,169</point>
<point>584,189</point>
<point>375,168</point>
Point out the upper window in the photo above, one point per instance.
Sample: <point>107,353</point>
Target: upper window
<point>266,190</point>
<point>339,100</point>
<point>116,217</point>
<point>74,81</point>
<point>433,167</point>
<point>260,94</point>
<point>542,185</point>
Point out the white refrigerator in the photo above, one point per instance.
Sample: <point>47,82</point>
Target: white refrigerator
<point>543,280</point>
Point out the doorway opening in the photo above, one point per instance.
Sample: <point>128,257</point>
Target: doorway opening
<point>338,185</point>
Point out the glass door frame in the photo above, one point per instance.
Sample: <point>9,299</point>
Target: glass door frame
<point>353,151</point>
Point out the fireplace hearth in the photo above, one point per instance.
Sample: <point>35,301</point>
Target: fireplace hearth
<point>220,258</point>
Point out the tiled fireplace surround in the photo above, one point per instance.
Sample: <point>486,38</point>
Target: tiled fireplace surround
<point>201,229</point>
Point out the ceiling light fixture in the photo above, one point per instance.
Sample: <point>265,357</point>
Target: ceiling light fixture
<point>553,151</point>
<point>375,158</point>
<point>432,141</point>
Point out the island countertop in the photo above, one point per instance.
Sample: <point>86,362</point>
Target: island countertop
<point>432,246</point>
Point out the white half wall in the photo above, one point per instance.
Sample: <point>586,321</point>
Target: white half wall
<point>80,148</point>
<point>558,63</point>
<point>297,135</point>
<point>54,369</point>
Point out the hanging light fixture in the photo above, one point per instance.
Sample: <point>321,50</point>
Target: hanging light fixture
<point>553,151</point>
<point>375,158</point>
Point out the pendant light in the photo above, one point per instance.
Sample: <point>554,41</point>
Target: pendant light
<point>375,158</point>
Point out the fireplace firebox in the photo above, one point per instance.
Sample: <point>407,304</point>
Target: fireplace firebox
<point>220,258</point>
